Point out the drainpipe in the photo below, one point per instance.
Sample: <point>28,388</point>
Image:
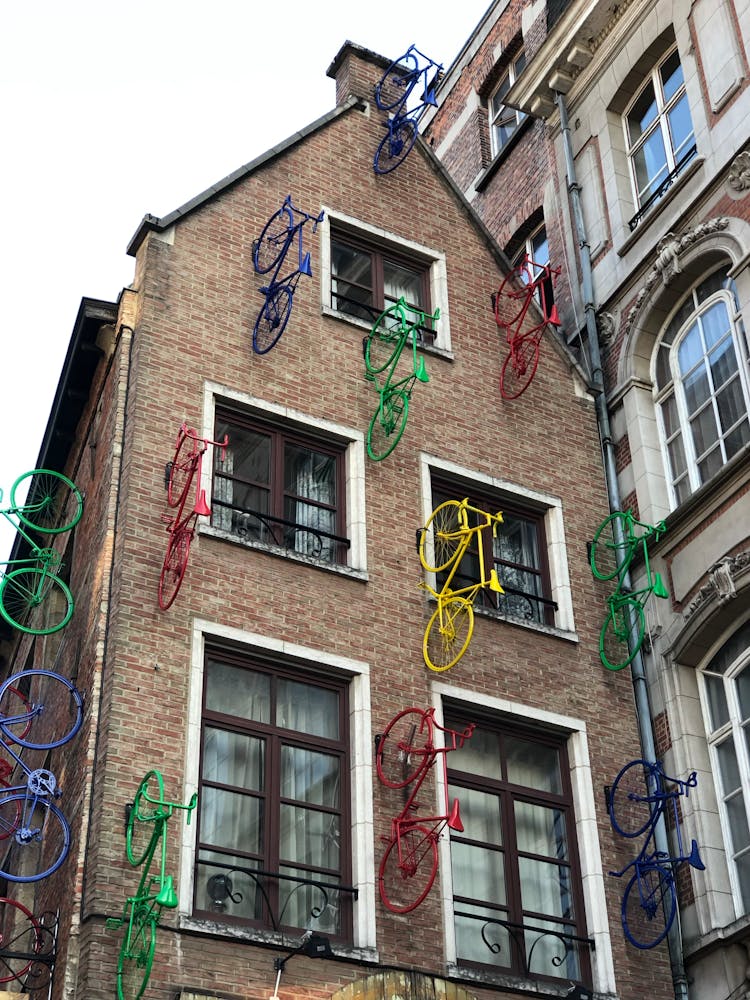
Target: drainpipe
<point>640,688</point>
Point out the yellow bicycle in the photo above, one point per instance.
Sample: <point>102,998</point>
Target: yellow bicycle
<point>443,543</point>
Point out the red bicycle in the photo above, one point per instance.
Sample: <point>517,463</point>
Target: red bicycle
<point>406,753</point>
<point>179,475</point>
<point>526,282</point>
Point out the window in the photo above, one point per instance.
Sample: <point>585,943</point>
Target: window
<point>659,131</point>
<point>280,487</point>
<point>700,376</point>
<point>273,798</point>
<point>725,689</point>
<point>518,553</point>
<point>367,278</point>
<point>536,246</point>
<point>517,899</point>
<point>504,120</point>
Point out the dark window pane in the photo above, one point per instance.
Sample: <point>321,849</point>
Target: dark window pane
<point>533,764</point>
<point>235,691</point>
<point>306,708</point>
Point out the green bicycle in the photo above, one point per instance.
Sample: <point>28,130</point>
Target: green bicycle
<point>149,810</point>
<point>49,503</point>
<point>612,551</point>
<point>383,348</point>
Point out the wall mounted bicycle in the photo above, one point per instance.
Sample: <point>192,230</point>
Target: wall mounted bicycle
<point>185,467</point>
<point>406,753</point>
<point>145,831</point>
<point>615,544</point>
<point>392,94</point>
<point>638,799</point>
<point>527,282</point>
<point>269,254</point>
<point>383,347</point>
<point>443,542</point>
<point>27,945</point>
<point>33,598</point>
<point>39,710</point>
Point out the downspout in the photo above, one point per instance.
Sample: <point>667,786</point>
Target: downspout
<point>640,688</point>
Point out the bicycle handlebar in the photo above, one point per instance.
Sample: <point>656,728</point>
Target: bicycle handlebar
<point>315,219</point>
<point>413,50</point>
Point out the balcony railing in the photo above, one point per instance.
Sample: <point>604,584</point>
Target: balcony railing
<point>665,184</point>
<point>291,535</point>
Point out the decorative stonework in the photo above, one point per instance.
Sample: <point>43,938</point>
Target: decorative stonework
<point>721,586</point>
<point>402,985</point>
<point>605,323</point>
<point>668,252</point>
<point>739,173</point>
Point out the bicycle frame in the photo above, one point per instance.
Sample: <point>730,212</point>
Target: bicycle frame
<point>389,420</point>
<point>401,129</point>
<point>411,851</point>
<point>520,365</point>
<point>648,916</point>
<point>179,475</point>
<point>275,241</point>
<point>454,612</point>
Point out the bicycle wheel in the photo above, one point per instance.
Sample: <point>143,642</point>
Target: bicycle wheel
<point>607,554</point>
<point>403,749</point>
<point>272,319</point>
<point>625,617</point>
<point>175,564</point>
<point>397,81</point>
<point>649,904</point>
<point>512,297</point>
<point>182,469</point>
<point>136,957</point>
<point>405,884</point>
<point>273,240</point>
<point>40,841</point>
<point>632,809</point>
<point>395,146</point>
<point>51,712</point>
<point>23,591</point>
<point>147,809</point>
<point>384,340</point>
<point>21,936</point>
<point>53,503</point>
<point>519,367</point>
<point>444,644</point>
<point>442,534</point>
<point>387,425</point>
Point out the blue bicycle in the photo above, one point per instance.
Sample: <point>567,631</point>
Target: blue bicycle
<point>269,253</point>
<point>392,94</point>
<point>638,798</point>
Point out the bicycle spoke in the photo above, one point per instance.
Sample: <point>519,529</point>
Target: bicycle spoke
<point>387,425</point>
<point>35,601</point>
<point>20,935</point>
<point>403,749</point>
<point>40,842</point>
<point>648,906</point>
<point>47,501</point>
<point>54,709</point>
<point>441,537</point>
<point>137,952</point>
<point>448,633</point>
<point>632,807</point>
<point>407,875</point>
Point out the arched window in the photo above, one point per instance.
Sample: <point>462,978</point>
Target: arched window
<point>725,694</point>
<point>701,382</point>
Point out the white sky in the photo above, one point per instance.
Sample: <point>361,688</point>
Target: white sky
<point>115,108</point>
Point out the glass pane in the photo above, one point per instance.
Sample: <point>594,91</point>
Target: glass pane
<point>310,474</point>
<point>233,759</point>
<point>743,875</point>
<point>697,388</point>
<point>517,541</point>
<point>663,371</point>
<point>545,887</point>
<point>222,890</point>
<point>671,75</point>
<point>478,873</point>
<point>705,431</point>
<point>737,439</point>
<point>710,465</point>
<point>540,830</point>
<point>715,323</point>
<point>743,692</point>
<point>307,709</point>
<point>737,813</point>
<point>540,247</point>
<point>717,701</point>
<point>682,490</point>
<point>351,280</point>
<point>309,776</point>
<point>533,765</point>
<point>549,955</point>
<point>681,130</point>
<point>728,769</point>
<point>677,456</point>
<point>399,280</point>
<point>478,939</point>
<point>650,165</point>
<point>238,692</point>
<point>231,820</point>
<point>309,906</point>
<point>479,755</point>
<point>309,837</point>
<point>670,415</point>
<point>642,113</point>
<point>251,454</point>
<point>310,530</point>
<point>691,350</point>
<point>730,404</point>
<point>480,814</point>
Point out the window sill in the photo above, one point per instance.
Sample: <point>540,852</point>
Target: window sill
<point>659,208</point>
<point>360,324</point>
<point>506,980</point>
<point>277,550</point>
<point>534,626</point>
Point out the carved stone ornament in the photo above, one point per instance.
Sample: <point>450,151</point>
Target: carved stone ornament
<point>605,323</point>
<point>721,586</point>
<point>739,172</point>
<point>668,252</point>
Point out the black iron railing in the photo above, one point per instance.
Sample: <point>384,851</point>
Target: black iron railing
<point>665,184</point>
<point>291,535</point>
<point>35,966</point>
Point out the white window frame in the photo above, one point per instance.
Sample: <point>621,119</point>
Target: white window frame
<point>674,388</point>
<point>586,829</point>
<point>361,777</point>
<point>509,77</point>
<point>353,442</point>
<point>519,496</point>
<point>433,259</point>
